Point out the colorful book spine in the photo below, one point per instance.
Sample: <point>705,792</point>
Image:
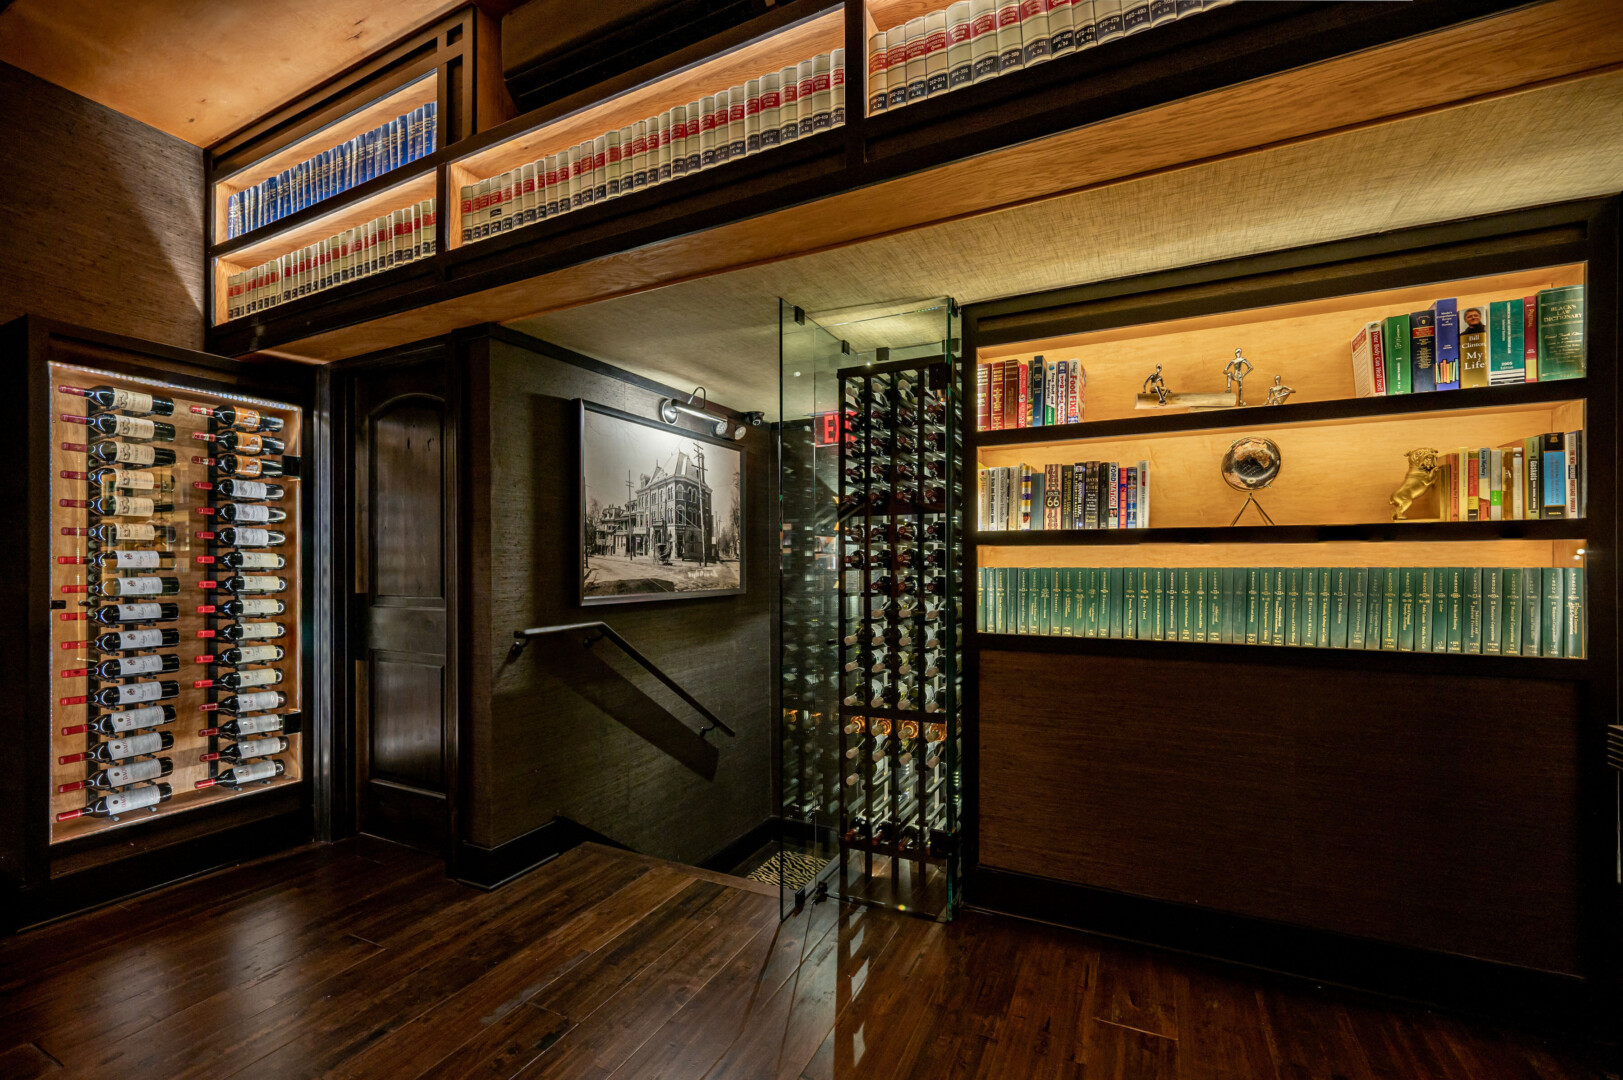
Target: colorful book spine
<point>1395,338</point>
<point>1446,319</point>
<point>1422,352</point>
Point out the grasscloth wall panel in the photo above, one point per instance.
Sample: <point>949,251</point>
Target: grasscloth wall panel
<point>103,221</point>
<point>1361,803</point>
<point>590,736</point>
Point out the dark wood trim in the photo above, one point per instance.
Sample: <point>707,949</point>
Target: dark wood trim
<point>1556,1003</point>
<point>1390,531</point>
<point>490,867</point>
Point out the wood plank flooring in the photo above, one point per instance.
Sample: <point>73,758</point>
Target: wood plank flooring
<point>360,960</point>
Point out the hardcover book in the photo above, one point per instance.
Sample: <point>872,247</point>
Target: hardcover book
<point>1395,339</point>
<point>1369,361</point>
<point>1561,333</point>
<point>1553,611</point>
<point>1446,319</point>
<point>1507,363</point>
<point>1422,352</point>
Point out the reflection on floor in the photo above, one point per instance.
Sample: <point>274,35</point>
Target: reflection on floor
<point>362,960</point>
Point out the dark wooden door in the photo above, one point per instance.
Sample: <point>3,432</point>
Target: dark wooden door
<point>404,548</point>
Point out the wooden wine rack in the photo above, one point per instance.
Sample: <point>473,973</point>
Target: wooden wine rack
<point>191,493</point>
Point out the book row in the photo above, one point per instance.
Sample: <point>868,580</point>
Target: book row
<point>334,171</point>
<point>1086,495</point>
<point>974,40</point>
<point>1495,611</point>
<point>1450,346</point>
<point>732,123</point>
<point>1029,393</point>
<point>390,240</point>
<point>1539,477</point>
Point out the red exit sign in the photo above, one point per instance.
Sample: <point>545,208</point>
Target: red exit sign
<point>826,428</point>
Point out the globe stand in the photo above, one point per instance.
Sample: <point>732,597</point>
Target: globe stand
<point>1251,500</point>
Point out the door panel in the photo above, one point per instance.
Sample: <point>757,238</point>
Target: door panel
<point>403,594</point>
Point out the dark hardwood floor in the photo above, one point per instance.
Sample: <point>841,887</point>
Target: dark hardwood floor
<point>361,960</point>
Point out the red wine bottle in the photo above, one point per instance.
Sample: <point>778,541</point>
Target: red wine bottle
<point>239,606</point>
<point>123,613</point>
<point>147,716</point>
<point>126,667</point>
<point>126,532</point>
<point>123,775</point>
<point>238,536</point>
<point>258,701</point>
<point>248,490</point>
<point>249,514</point>
<point>130,401</point>
<point>122,453</point>
<point>252,631</point>
<point>243,442</point>
<point>121,802</point>
<point>128,506</point>
<point>136,586</point>
<point>248,749</point>
<point>247,774</point>
<point>247,419</point>
<point>250,467</point>
<point>150,742</point>
<point>131,427</point>
<point>252,560</point>
<point>139,693</point>
<point>250,654</point>
<point>246,726</point>
<point>249,679</point>
<point>140,559</point>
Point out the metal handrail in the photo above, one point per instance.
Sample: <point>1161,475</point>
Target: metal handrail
<point>521,638</point>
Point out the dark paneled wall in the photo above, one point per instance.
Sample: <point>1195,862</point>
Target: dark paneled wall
<point>103,216</point>
<point>589,735</point>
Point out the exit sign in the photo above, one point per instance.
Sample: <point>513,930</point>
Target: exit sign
<point>826,428</point>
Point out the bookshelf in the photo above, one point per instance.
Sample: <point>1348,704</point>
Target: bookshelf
<point>1060,720</point>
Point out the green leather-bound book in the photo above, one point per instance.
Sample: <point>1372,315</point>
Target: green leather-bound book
<point>1210,582</point>
<point>1396,340</point>
<point>1422,609</point>
<point>1408,598</point>
<point>1293,606</point>
<point>1281,595</point>
<point>1439,610</point>
<point>1170,606</point>
<point>1322,637</point>
<point>1252,626</point>
<point>1511,618</point>
<point>1553,616</point>
<point>1150,588</point>
<point>1197,599</point>
<point>1310,607</point>
<point>981,573</point>
<point>1576,634</point>
<point>1265,608</point>
<point>1493,608</point>
<point>1561,333</point>
<point>1372,608</point>
<point>1339,606</point>
<point>1391,606</point>
<point>1088,620</point>
<point>1532,608</point>
<point>1129,603</point>
<point>1473,609</point>
<point>1456,609</point>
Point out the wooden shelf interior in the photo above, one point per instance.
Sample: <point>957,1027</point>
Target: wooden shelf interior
<point>189,716</point>
<point>1334,472</point>
<point>1328,553</point>
<point>420,91</point>
<point>413,190</point>
<point>818,34</point>
<point>881,15</point>
<point>1308,342</point>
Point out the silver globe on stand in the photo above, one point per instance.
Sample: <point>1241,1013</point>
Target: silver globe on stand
<point>1250,465</point>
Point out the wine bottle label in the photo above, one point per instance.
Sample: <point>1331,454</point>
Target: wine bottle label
<point>261,607</point>
<point>150,743</point>
<point>122,802</point>
<point>250,489</point>
<point>258,725</point>
<point>250,444</point>
<point>134,532</point>
<point>258,677</point>
<point>248,512</point>
<point>252,748</point>
<point>136,560</point>
<point>265,699</point>
<point>253,537</point>
<point>134,427</point>
<point>247,466</point>
<point>132,480</point>
<point>139,613</point>
<point>258,583</point>
<point>134,772</point>
<point>131,719</point>
<point>132,506</point>
<point>140,639</point>
<point>258,654</point>
<point>137,586</point>
<point>260,630</point>
<point>259,770</point>
<point>134,454</point>
<point>246,418</point>
<point>135,693</point>
<point>130,399</point>
<point>259,560</point>
<point>140,665</point>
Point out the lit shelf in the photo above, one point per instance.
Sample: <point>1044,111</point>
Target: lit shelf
<point>1375,532</point>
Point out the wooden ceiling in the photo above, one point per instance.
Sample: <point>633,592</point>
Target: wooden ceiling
<point>1548,144</point>
<point>200,69</point>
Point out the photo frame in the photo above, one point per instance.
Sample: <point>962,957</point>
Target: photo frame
<point>661,510</point>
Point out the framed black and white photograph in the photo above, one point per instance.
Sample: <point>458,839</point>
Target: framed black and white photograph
<point>662,510</point>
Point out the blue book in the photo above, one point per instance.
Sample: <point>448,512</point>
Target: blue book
<point>431,129</point>
<point>419,127</point>
<point>1553,471</point>
<point>323,174</point>
<point>396,128</point>
<point>1447,315</point>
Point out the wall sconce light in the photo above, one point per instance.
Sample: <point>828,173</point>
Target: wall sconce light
<point>670,409</point>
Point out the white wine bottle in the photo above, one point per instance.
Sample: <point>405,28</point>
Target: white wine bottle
<point>121,802</point>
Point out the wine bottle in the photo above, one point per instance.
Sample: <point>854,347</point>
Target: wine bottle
<point>136,586</point>
<point>121,802</point>
<point>243,442</point>
<point>252,560</point>
<point>125,667</point>
<point>248,490</point>
<point>247,419</point>
<point>252,631</point>
<point>258,701</point>
<point>123,613</point>
<point>131,427</point>
<point>249,514</point>
<point>147,716</point>
<point>149,742</point>
<point>125,532</point>
<point>128,506</point>
<point>251,467</point>
<point>243,680</point>
<point>240,606</point>
<point>140,559</point>
<point>253,583</point>
<point>139,693</point>
<point>131,401</point>
<point>250,654</point>
<point>237,536</point>
<point>123,453</point>
<point>128,479</point>
<point>247,774</point>
<point>248,749</point>
<point>242,727</point>
<point>122,775</point>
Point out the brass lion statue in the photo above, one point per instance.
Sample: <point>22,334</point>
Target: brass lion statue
<point>1422,473</point>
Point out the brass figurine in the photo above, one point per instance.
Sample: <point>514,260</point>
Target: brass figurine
<point>1422,475</point>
